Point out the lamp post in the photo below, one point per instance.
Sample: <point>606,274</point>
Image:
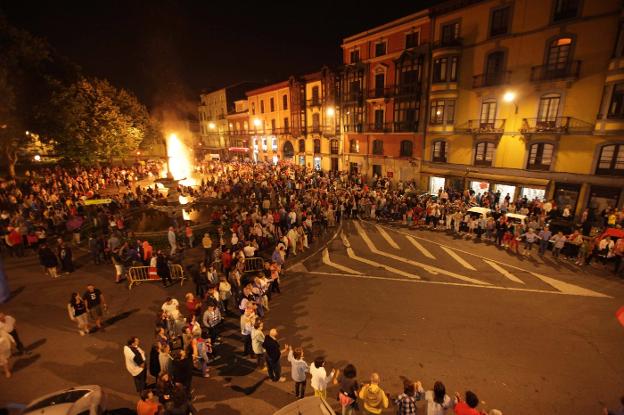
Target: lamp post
<point>510,97</point>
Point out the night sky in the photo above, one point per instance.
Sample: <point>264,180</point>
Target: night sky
<point>167,51</point>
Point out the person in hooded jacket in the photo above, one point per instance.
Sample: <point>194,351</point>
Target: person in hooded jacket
<point>373,397</point>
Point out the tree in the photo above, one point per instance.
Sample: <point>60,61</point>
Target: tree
<point>97,122</point>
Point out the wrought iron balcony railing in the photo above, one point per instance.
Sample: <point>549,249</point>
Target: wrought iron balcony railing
<point>491,79</point>
<point>379,127</point>
<point>385,92</point>
<point>556,125</point>
<point>553,72</point>
<point>496,126</point>
<point>405,126</point>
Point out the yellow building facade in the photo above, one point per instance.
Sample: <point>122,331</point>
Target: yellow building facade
<point>525,99</point>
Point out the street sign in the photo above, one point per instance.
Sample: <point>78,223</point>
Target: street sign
<point>97,201</point>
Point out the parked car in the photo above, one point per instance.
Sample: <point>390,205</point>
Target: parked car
<point>79,400</point>
<point>516,219</point>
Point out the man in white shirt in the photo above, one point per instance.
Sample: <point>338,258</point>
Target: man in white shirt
<point>249,250</point>
<point>7,323</point>
<point>135,363</point>
<point>171,306</point>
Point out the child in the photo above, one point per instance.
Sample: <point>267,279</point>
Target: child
<point>299,368</point>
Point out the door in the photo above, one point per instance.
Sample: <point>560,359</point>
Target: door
<point>558,56</point>
<point>380,80</point>
<point>494,68</point>
<point>379,119</point>
<point>547,112</point>
<point>488,114</point>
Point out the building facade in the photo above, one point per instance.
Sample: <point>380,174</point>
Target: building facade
<point>381,94</point>
<point>238,137</point>
<point>524,100</point>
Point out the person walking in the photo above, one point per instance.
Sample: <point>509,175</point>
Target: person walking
<point>48,260</point>
<point>299,368</point>
<point>135,363</point>
<point>374,398</point>
<point>96,304</point>
<point>65,255</point>
<point>273,355</point>
<point>7,324</point>
<point>77,310</point>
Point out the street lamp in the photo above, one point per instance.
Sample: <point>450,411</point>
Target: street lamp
<point>211,126</point>
<point>256,122</point>
<point>330,111</point>
<point>510,97</point>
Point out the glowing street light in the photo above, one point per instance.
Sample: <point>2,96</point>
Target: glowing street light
<point>257,122</point>
<point>212,126</point>
<point>37,157</point>
<point>331,111</point>
<point>510,97</point>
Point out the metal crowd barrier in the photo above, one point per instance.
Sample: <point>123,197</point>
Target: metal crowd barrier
<point>254,264</point>
<point>137,275</point>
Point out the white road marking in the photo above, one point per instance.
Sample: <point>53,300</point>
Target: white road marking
<point>456,284</point>
<point>374,249</point>
<point>459,259</point>
<point>387,237</point>
<point>353,256</point>
<point>503,271</point>
<point>421,248</point>
<point>567,287</point>
<point>318,250</point>
<point>328,261</point>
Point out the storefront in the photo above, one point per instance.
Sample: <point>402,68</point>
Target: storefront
<point>302,160</point>
<point>505,189</point>
<point>317,163</point>
<point>602,197</point>
<point>479,187</point>
<point>530,193</point>
<point>567,194</point>
<point>435,184</point>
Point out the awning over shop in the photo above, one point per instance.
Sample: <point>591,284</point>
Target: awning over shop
<point>494,178</point>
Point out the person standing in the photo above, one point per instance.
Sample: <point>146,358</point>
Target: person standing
<point>406,402</point>
<point>438,402</point>
<point>559,243</point>
<point>7,324</point>
<point>320,379</point>
<point>273,355</point>
<point>247,321</point>
<point>468,407</point>
<point>6,343</point>
<point>48,260</point>
<point>77,310</point>
<point>96,304</point>
<point>148,404</point>
<point>257,340</point>
<point>348,389</point>
<point>299,368</point>
<point>162,269</point>
<point>374,398</point>
<point>188,232</point>
<point>135,363</point>
<point>207,245</point>
<point>65,255</point>
<point>171,237</point>
<point>544,236</point>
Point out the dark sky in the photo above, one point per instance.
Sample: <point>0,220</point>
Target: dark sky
<point>164,50</point>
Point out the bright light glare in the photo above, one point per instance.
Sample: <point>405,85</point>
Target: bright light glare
<point>257,122</point>
<point>330,111</point>
<point>211,126</point>
<point>37,157</point>
<point>509,96</point>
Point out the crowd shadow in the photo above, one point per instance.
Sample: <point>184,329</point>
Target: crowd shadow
<point>120,316</point>
<point>36,344</point>
<point>24,362</point>
<point>16,292</point>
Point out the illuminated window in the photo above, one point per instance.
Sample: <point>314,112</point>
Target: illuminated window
<point>317,146</point>
<point>611,161</point>
<point>302,146</point>
<point>439,152</point>
<point>484,153</point>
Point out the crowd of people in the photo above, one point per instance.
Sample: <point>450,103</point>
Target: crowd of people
<point>273,212</point>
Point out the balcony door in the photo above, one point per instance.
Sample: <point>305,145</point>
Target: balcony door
<point>494,67</point>
<point>379,120</point>
<point>548,111</point>
<point>558,59</point>
<point>380,81</point>
<point>488,114</point>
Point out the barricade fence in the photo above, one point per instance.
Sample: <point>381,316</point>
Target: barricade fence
<point>254,264</point>
<point>137,275</point>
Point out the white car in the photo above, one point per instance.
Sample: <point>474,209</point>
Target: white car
<point>79,400</point>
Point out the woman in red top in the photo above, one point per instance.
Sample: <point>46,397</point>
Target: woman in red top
<point>192,305</point>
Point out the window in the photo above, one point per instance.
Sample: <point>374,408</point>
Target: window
<point>253,108</point>
<point>548,109</point>
<point>442,111</point>
<point>380,83</point>
<point>316,122</point>
<point>334,164</point>
<point>333,146</point>
<point>484,153</point>
<point>355,56</point>
<point>499,24</point>
<point>353,146</point>
<point>494,68</point>
<point>272,104</point>
<point>378,147</point>
<point>261,107</point>
<point>439,152</point>
<point>616,108</point>
<point>565,9</point>
<point>286,126</point>
<point>488,113</point>
<point>379,119</point>
<point>302,146</point>
<point>540,156</point>
<point>273,126</point>
<point>317,146</point>
<point>380,49</point>
<point>377,170</point>
<point>354,90</point>
<point>445,69</point>
<point>611,160</point>
<point>315,95</point>
<point>284,102</point>
<point>450,33</point>
<point>559,54</point>
<point>406,148</point>
<point>412,40</point>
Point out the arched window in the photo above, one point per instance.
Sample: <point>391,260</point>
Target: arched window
<point>611,161</point>
<point>333,146</point>
<point>439,151</point>
<point>353,146</point>
<point>302,146</point>
<point>406,148</point>
<point>484,153</point>
<point>378,147</point>
<point>317,146</point>
<point>559,55</point>
<point>548,111</point>
<point>540,156</point>
<point>288,150</point>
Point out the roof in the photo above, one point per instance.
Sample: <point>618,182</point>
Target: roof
<point>267,88</point>
<point>423,14</point>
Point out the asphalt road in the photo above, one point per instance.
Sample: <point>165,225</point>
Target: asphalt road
<point>527,335</point>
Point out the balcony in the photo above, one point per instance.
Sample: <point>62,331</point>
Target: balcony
<point>379,127</point>
<point>352,128</point>
<point>447,43</point>
<point>353,98</point>
<point>314,102</point>
<point>405,126</point>
<point>496,126</point>
<point>491,79</point>
<point>556,125</point>
<point>377,93</point>
<point>556,72</point>
<point>330,131</point>
<point>407,90</point>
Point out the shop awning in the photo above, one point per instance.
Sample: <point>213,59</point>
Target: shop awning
<point>501,179</point>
